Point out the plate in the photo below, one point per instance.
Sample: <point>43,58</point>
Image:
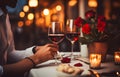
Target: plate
<point>85,73</point>
<point>66,70</point>
<point>62,74</point>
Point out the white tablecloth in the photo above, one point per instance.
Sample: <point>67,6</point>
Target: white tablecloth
<point>47,69</point>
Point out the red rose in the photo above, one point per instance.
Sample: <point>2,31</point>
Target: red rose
<point>101,23</point>
<point>86,29</point>
<point>101,26</point>
<point>90,14</point>
<point>101,18</point>
<point>78,22</point>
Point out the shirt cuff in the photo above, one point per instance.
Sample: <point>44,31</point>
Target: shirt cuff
<point>30,50</point>
<point>1,71</point>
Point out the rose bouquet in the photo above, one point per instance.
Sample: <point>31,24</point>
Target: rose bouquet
<point>93,27</point>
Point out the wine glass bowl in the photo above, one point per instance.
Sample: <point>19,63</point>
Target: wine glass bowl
<point>56,38</point>
<point>56,35</point>
<point>72,34</point>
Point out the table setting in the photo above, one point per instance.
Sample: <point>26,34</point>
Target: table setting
<point>91,61</point>
<point>49,69</point>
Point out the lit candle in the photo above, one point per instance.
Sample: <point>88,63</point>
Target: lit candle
<point>95,60</point>
<point>117,57</point>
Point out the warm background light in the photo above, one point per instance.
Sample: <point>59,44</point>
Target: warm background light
<point>54,17</point>
<point>28,22</point>
<point>92,3</point>
<point>58,7</point>
<point>72,2</point>
<point>26,8</point>
<point>40,21</point>
<point>46,11</point>
<point>21,14</point>
<point>30,16</point>
<point>20,23</point>
<point>33,3</point>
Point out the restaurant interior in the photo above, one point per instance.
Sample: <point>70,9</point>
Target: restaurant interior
<point>30,20</point>
<point>89,47</point>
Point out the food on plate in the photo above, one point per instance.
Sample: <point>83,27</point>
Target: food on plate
<point>66,68</point>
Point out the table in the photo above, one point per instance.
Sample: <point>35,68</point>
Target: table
<point>47,69</point>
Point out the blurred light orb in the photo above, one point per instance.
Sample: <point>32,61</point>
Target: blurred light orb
<point>21,14</point>
<point>39,21</point>
<point>72,2</point>
<point>92,3</point>
<point>20,23</point>
<point>28,22</point>
<point>33,3</point>
<point>26,8</point>
<point>46,11</point>
<point>30,16</point>
<point>58,7</point>
<point>54,17</point>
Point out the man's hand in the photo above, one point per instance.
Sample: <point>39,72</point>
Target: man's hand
<point>45,52</point>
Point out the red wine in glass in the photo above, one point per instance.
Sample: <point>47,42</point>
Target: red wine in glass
<point>56,35</point>
<point>72,36</point>
<point>56,38</point>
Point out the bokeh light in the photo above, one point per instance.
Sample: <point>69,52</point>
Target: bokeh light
<point>92,3</point>
<point>33,3</point>
<point>30,16</point>
<point>20,23</point>
<point>26,8</point>
<point>22,14</point>
<point>58,7</point>
<point>46,11</point>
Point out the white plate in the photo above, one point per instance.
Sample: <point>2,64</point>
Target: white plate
<point>85,73</point>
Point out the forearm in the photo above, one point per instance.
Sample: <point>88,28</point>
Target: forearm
<point>19,68</point>
<point>44,53</point>
<point>18,55</point>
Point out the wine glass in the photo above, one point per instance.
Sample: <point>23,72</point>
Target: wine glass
<point>72,34</point>
<point>56,35</point>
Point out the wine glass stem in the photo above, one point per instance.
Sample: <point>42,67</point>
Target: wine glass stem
<point>55,56</point>
<point>72,44</point>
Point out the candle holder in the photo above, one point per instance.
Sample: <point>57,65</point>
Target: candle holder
<point>95,61</point>
<point>117,58</point>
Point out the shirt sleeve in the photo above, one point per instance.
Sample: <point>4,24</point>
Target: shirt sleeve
<point>18,55</point>
<point>1,71</point>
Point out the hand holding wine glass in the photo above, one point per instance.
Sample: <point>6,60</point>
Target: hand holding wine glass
<point>56,34</point>
<point>72,34</point>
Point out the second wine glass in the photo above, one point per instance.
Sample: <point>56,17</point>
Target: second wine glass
<point>72,34</point>
<point>56,34</point>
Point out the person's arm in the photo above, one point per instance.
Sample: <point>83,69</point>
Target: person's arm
<point>18,55</point>
<point>19,68</point>
<point>43,54</point>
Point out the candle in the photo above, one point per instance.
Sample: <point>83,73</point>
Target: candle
<point>95,60</point>
<point>117,57</point>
